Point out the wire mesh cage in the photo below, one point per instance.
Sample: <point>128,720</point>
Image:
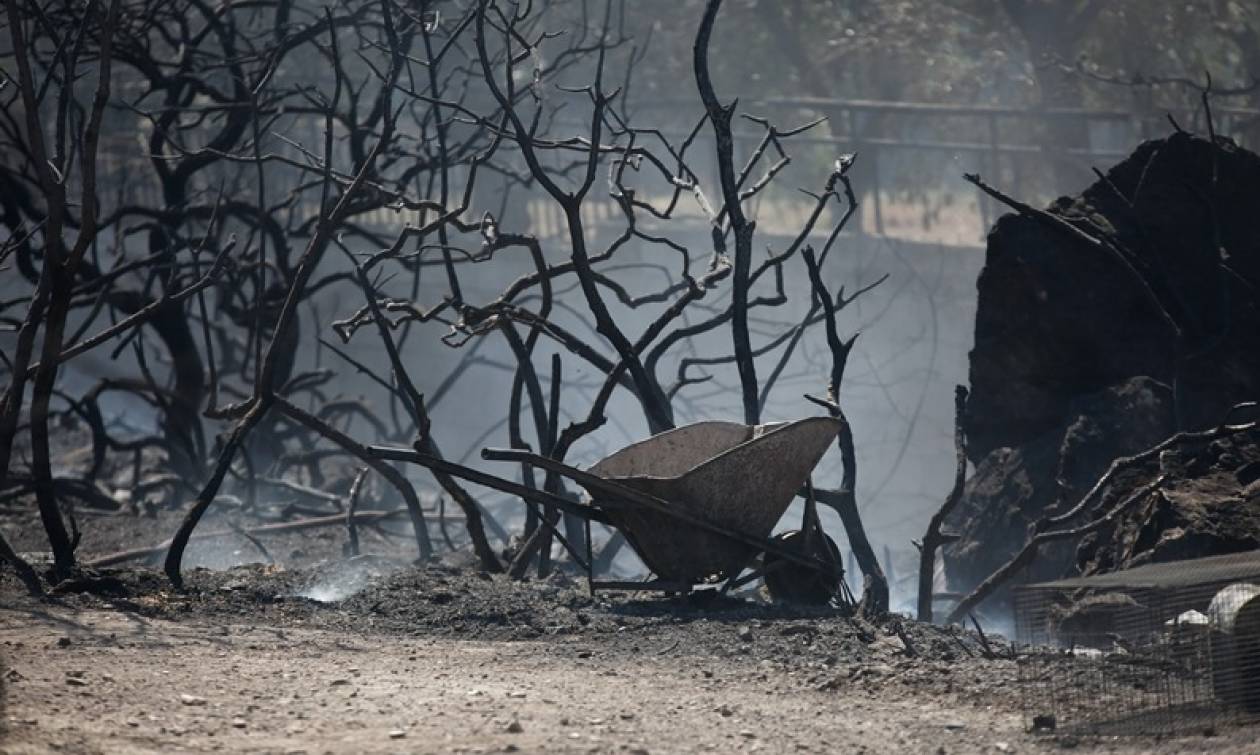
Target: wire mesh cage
<point>1159,649</point>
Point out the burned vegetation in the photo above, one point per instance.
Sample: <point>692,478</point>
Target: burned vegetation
<point>298,211</point>
<point>268,266</point>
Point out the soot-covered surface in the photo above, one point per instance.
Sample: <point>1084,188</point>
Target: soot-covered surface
<point>457,602</point>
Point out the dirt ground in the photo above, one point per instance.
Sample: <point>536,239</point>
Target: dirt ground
<point>128,683</point>
<point>444,659</point>
<point>318,653</point>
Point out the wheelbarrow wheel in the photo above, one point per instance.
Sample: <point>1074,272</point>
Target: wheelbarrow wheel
<point>790,582</point>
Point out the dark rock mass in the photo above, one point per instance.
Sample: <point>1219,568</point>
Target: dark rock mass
<point>1075,361</point>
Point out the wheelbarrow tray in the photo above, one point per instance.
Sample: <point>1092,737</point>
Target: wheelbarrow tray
<point>739,476</point>
<point>696,503</point>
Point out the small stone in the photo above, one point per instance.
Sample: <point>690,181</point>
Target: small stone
<point>238,723</point>
<point>955,725</point>
<point>63,642</point>
<point>745,633</point>
<point>748,734</point>
<point>792,629</point>
<point>397,734</point>
<point>725,710</point>
<point>515,727</point>
<point>516,694</point>
<point>1003,747</point>
<point>76,681</point>
<point>338,682</point>
<point>192,700</point>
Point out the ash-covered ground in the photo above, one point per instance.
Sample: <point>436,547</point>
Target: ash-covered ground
<point>374,654</point>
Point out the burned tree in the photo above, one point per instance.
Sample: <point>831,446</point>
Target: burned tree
<point>252,171</point>
<point>51,158</point>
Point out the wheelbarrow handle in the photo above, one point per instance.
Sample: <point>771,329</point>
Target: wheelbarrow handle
<point>624,495</point>
<point>531,458</point>
<point>639,498</point>
<point>478,477</point>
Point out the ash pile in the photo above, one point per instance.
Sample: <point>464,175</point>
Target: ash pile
<point>1075,365</point>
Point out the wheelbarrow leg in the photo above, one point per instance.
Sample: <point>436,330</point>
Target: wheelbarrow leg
<point>810,524</point>
<point>735,581</point>
<point>811,527</point>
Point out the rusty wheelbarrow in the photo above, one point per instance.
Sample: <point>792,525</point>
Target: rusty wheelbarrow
<point>698,505</point>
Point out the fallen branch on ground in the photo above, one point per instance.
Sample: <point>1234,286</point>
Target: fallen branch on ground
<point>362,517</point>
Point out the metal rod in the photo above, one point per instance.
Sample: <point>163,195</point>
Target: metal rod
<point>650,586</point>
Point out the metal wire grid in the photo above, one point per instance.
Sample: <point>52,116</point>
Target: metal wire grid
<point>1163,649</point>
